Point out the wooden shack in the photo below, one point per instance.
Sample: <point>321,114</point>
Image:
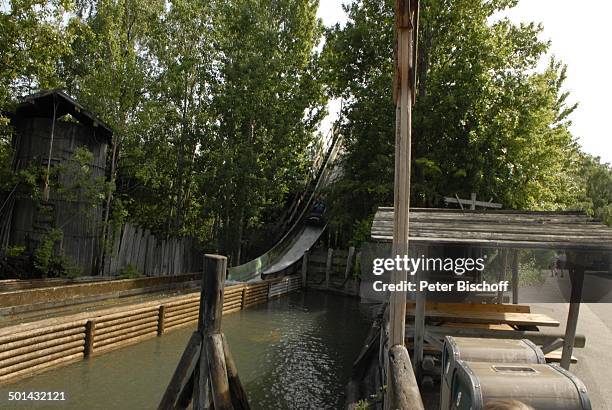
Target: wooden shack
<point>571,232</point>
<point>49,128</point>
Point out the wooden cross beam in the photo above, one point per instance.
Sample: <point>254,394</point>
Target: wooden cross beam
<point>472,202</point>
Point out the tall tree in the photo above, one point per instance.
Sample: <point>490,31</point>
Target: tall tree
<point>486,120</point>
<point>110,69</point>
<point>267,101</point>
<point>31,39</point>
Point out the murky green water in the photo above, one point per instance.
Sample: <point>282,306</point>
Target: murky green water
<point>292,353</point>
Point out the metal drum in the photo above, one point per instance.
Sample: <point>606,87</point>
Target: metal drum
<point>541,386</point>
<point>483,350</point>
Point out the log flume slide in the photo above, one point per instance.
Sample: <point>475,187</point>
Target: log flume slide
<point>300,237</point>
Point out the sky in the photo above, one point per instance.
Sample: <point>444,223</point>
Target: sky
<point>581,37</point>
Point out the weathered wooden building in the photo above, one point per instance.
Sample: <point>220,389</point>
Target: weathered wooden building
<point>50,127</point>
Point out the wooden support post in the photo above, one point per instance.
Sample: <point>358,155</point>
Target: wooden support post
<point>328,266</point>
<point>209,322</point>
<point>501,275</point>
<point>515,276</point>
<point>186,394</point>
<point>406,21</point>
<point>419,323</point>
<point>243,298</point>
<point>403,386</point>
<point>349,262</point>
<point>404,24</point>
<point>217,371</point>
<point>161,319</point>
<point>213,281</point>
<point>183,372</point>
<point>90,331</point>
<point>201,386</point>
<point>577,278</point>
<point>238,394</point>
<point>305,268</point>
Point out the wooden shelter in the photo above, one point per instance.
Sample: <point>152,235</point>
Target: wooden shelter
<point>49,128</point>
<point>572,232</point>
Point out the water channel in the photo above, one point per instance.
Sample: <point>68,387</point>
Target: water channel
<point>295,352</point>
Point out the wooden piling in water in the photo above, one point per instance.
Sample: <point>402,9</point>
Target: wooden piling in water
<point>207,374</point>
<point>328,266</point>
<point>90,329</point>
<point>305,268</point>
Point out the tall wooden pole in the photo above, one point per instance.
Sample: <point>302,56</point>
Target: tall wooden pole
<point>403,391</point>
<point>403,93</point>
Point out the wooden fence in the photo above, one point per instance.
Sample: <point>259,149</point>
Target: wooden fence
<point>150,255</point>
<point>35,347</point>
<point>332,269</point>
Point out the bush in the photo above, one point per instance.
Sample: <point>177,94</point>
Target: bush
<point>129,272</point>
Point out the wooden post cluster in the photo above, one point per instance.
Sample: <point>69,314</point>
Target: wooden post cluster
<point>206,373</point>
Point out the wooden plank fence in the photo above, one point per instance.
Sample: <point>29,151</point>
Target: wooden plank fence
<point>149,255</point>
<point>333,269</point>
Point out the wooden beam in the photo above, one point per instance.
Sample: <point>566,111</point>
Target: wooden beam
<point>217,371</point>
<point>501,275</point>
<point>472,202</point>
<point>183,372</point>
<point>90,331</point>
<point>403,386</point>
<point>305,268</point>
<point>211,302</point>
<point>349,262</point>
<point>328,266</point>
<point>240,400</point>
<point>515,276</point>
<point>401,381</point>
<point>404,47</point>
<point>577,278</point>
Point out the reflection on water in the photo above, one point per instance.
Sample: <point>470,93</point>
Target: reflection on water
<point>293,353</point>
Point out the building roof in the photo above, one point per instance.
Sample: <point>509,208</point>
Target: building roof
<point>41,105</point>
<point>499,228</point>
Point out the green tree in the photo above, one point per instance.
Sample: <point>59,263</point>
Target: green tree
<point>31,39</point>
<point>267,100</point>
<point>110,69</point>
<point>486,120</point>
<point>596,179</point>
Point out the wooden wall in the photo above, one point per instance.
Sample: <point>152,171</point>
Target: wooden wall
<point>327,269</point>
<point>150,255</point>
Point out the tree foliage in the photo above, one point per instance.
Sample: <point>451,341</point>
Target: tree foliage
<point>486,119</point>
<point>215,104</point>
